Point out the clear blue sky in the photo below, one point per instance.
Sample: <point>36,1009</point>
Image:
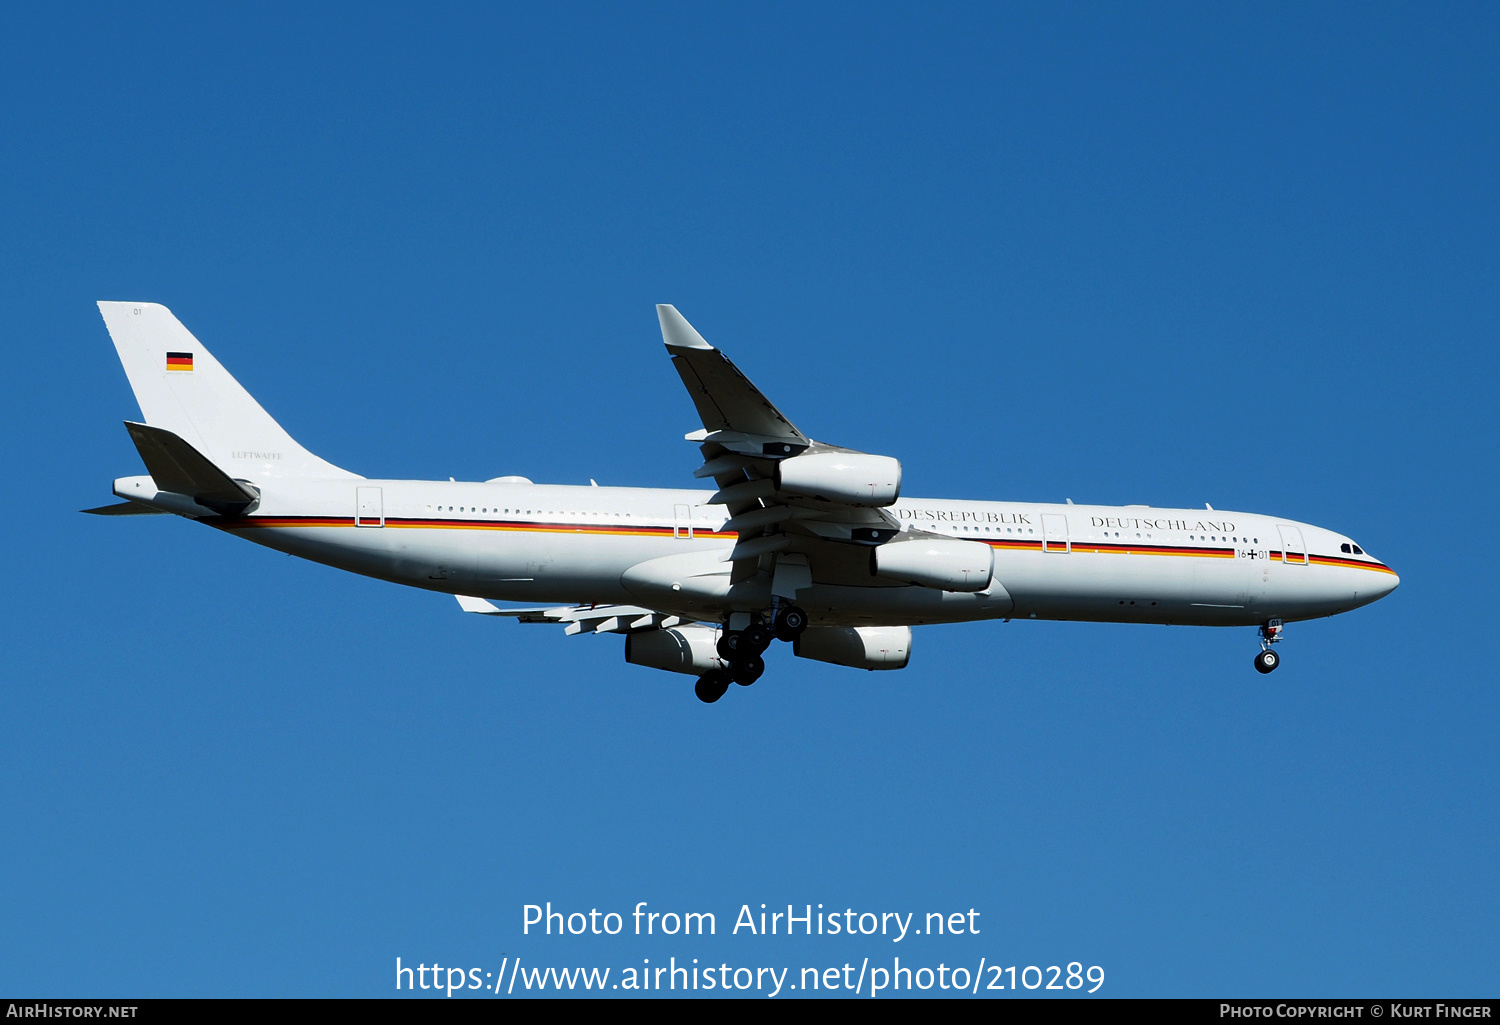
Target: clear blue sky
<point>1162,254</point>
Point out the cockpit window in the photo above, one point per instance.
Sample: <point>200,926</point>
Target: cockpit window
<point>1345,549</point>
<point>1358,550</point>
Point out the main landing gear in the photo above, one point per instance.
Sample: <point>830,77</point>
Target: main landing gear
<point>742,650</point>
<point>712,685</point>
<point>1268,660</point>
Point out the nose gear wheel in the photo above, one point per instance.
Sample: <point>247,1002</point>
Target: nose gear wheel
<point>1268,660</point>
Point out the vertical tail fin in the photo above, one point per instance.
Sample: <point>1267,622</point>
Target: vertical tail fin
<point>183,389</point>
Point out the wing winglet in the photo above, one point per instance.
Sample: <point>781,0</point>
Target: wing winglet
<point>676,331</point>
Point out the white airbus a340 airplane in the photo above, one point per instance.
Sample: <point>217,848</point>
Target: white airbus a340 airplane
<point>803,542</point>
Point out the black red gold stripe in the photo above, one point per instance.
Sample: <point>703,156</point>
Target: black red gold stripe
<point>611,530</point>
<point>1098,548</point>
<point>648,530</point>
<point>179,361</point>
<point>1295,558</point>
<point>1336,560</point>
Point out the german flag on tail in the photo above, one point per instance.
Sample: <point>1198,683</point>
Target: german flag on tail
<point>179,361</point>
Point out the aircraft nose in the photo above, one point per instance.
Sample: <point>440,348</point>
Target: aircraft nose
<point>1372,586</point>
<point>1388,582</point>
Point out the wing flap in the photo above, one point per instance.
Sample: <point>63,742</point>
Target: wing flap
<point>579,619</point>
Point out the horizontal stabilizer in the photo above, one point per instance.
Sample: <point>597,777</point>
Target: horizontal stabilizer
<point>127,509</point>
<point>178,467</point>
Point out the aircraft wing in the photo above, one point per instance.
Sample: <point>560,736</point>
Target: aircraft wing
<point>730,406</point>
<point>579,619</point>
<point>746,441</point>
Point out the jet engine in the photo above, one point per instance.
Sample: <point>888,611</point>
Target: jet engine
<point>682,649</point>
<point>859,647</point>
<point>852,478</point>
<point>945,563</point>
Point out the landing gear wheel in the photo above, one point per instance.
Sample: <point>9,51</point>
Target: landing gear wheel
<point>731,643</point>
<point>1267,661</point>
<point>790,624</point>
<point>711,686</point>
<point>747,670</point>
<point>756,637</point>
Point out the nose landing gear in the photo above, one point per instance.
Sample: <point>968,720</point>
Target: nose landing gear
<point>1268,660</point>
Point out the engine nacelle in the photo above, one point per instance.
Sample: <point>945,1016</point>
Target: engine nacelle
<point>945,563</point>
<point>859,647</point>
<point>682,649</point>
<point>852,478</point>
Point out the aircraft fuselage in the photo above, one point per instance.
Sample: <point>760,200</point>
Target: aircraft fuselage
<point>565,544</point>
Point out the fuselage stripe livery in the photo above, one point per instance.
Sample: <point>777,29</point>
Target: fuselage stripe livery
<point>649,530</point>
<point>1334,560</point>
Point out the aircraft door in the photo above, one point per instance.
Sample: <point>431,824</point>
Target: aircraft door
<point>1293,551</point>
<point>682,521</point>
<point>1055,533</point>
<point>369,508</point>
